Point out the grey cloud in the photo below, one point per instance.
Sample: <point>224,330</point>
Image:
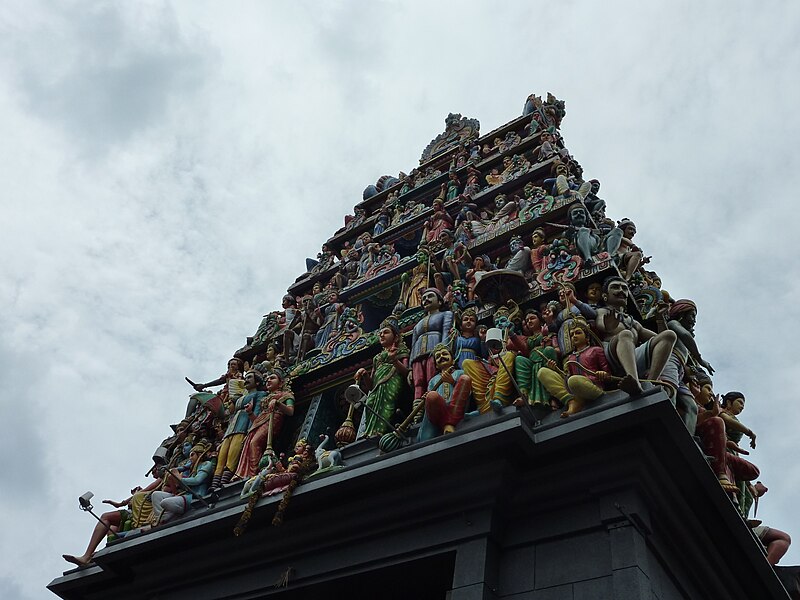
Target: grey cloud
<point>104,79</point>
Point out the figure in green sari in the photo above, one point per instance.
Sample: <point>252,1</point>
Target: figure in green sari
<point>389,371</point>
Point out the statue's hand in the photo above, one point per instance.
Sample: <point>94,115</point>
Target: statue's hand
<point>359,374</point>
<point>707,366</point>
<point>733,446</point>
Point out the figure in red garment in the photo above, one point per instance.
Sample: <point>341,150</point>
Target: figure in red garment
<point>711,431</point>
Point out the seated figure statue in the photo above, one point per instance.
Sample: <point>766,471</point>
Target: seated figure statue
<point>630,348</point>
<point>446,398</point>
<point>587,371</point>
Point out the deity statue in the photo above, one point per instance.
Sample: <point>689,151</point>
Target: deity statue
<point>267,412</point>
<point>417,279</point>
<point>594,294</point>
<point>434,328</point>
<point>629,255</point>
<point>174,500</point>
<point>467,344</point>
<point>389,370</point>
<point>711,431</point>
<point>473,185</point>
<point>241,413</point>
<point>439,221</point>
<point>532,356</point>
<point>505,211</point>
<point>493,384</point>
<point>232,380</point>
<point>494,177</point>
<point>328,317</point>
<point>539,250</point>
<point>452,186</point>
<point>732,407</point>
<point>630,348</point>
<point>112,522</point>
<point>446,398</point>
<point>480,265</point>
<point>565,184</point>
<point>682,319</point>
<point>520,255</point>
<point>587,371</point>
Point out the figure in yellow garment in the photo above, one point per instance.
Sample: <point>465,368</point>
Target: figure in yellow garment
<point>492,383</point>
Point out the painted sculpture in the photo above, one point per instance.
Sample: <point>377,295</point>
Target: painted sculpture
<point>385,381</point>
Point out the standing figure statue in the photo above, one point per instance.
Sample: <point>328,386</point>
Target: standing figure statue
<point>417,279</point>
<point>231,379</point>
<point>439,221</point>
<point>446,398</point>
<point>328,317</point>
<point>629,347</point>
<point>467,344</point>
<point>682,319</point>
<point>389,370</point>
<point>727,466</point>
<point>272,407</point>
<point>241,413</point>
<point>434,328</point>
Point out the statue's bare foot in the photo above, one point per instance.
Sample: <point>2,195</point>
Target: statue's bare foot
<point>75,560</point>
<point>630,385</point>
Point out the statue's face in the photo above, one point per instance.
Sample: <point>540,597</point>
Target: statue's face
<point>547,312</point>
<point>187,447</point>
<point>271,352</point>
<point>477,264</point>
<point>689,320</point>
<point>736,405</point>
<point>317,288</point>
<point>386,337</point>
<point>250,381</point>
<point>629,231</point>
<point>502,321</point>
<point>617,294</point>
<point>430,301</point>
<point>706,393</point>
<point>422,257</point>
<point>537,239</point>
<point>443,359</point>
<point>273,382</point>
<point>579,338</point>
<point>531,323</point>
<point>594,293</point>
<point>500,201</point>
<point>578,217</point>
<point>233,367</point>
<point>468,323</point>
<point>515,246</point>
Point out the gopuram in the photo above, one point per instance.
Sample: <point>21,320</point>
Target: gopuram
<point>477,389</point>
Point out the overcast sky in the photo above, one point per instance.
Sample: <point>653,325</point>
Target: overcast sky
<point>168,167</point>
